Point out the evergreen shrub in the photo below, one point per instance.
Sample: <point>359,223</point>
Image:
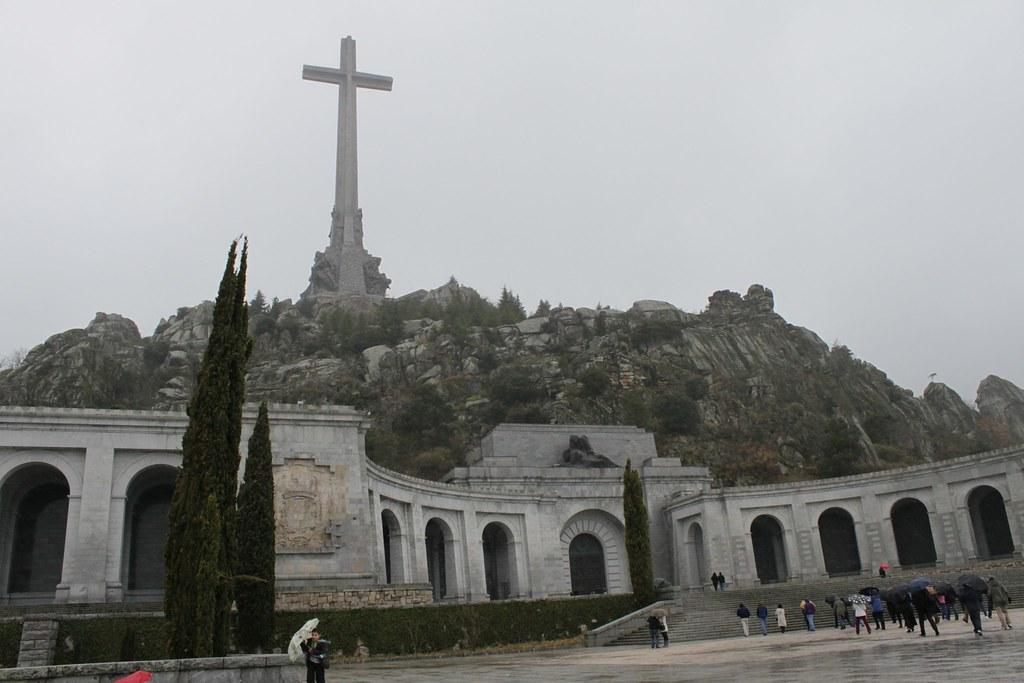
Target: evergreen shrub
<point>10,641</point>
<point>111,639</point>
<point>434,628</point>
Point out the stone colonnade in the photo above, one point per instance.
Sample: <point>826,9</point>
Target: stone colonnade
<point>945,513</point>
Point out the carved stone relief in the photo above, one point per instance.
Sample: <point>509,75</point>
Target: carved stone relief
<point>307,497</point>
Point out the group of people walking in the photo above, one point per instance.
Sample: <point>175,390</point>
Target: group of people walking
<point>807,610</point>
<point>718,581</point>
<point>918,602</point>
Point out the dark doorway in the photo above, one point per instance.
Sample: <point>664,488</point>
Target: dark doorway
<point>913,532</point>
<point>149,529</point>
<point>839,542</point>
<point>37,554</point>
<point>586,566</point>
<point>437,570</point>
<point>769,549</point>
<point>394,548</point>
<point>698,567</point>
<point>992,535</point>
<point>498,561</point>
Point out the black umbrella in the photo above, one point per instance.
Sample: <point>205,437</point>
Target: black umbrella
<point>972,581</point>
<point>945,589</point>
<point>896,593</point>
<point>870,590</point>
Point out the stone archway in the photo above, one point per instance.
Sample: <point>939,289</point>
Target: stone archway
<point>440,559</point>
<point>913,533</point>
<point>394,554</point>
<point>610,534</point>
<point>769,545</point>
<point>33,529</point>
<point>992,536</point>
<point>499,561</point>
<point>147,513</point>
<point>839,542</point>
<point>586,565</point>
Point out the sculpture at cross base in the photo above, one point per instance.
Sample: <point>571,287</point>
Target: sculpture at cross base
<point>345,272</point>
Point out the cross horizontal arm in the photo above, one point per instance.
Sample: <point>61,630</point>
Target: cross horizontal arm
<point>372,81</point>
<point>325,74</point>
<point>322,74</point>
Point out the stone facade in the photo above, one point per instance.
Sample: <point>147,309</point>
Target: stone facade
<point>946,513</point>
<point>527,517</point>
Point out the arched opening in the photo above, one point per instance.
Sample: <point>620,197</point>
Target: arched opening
<point>394,558</point>
<point>695,550</point>
<point>586,565</point>
<point>34,514</point>
<point>440,559</point>
<point>499,561</point>
<point>609,533</point>
<point>913,532</point>
<point>147,512</point>
<point>769,549</point>
<point>992,536</point>
<point>839,542</point>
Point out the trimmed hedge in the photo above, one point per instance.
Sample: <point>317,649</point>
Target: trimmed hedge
<point>10,643</point>
<point>435,628</point>
<point>408,630</point>
<point>112,639</point>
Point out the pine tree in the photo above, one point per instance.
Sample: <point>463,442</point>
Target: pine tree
<point>638,540</point>
<point>255,591</point>
<point>510,308</point>
<point>209,469</point>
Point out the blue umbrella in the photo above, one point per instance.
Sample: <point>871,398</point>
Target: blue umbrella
<point>919,583</point>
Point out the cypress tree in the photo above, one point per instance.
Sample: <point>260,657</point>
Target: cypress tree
<point>209,469</point>
<point>255,599</point>
<point>638,538</point>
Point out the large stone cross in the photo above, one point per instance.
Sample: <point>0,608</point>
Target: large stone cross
<point>346,184</point>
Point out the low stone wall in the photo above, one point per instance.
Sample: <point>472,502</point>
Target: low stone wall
<point>245,669</point>
<point>614,630</point>
<point>404,595</point>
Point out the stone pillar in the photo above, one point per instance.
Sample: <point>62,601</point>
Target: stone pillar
<point>808,540</point>
<point>944,527</point>
<point>377,525</point>
<point>418,538</point>
<point>469,553</point>
<point>116,562</point>
<point>84,576</point>
<point>1015,504</point>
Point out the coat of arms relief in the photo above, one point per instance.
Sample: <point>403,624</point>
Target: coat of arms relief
<point>308,498</point>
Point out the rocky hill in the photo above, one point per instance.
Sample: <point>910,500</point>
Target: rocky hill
<point>735,386</point>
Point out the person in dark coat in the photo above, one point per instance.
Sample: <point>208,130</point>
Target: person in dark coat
<point>926,607</point>
<point>971,601</point>
<point>744,614</point>
<point>762,616</point>
<point>721,581</point>
<point>654,626</point>
<point>316,656</point>
<point>876,611</point>
<point>714,580</point>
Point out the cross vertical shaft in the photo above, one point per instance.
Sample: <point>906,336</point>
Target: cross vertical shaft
<point>345,223</point>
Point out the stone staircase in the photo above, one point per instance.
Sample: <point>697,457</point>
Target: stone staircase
<point>38,638</point>
<point>704,615</point>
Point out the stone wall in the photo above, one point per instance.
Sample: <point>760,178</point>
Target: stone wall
<point>405,595</point>
<point>248,668</point>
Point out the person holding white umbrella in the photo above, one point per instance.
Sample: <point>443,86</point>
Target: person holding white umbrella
<point>307,641</point>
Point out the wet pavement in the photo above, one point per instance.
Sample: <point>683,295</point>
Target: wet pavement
<point>827,655</point>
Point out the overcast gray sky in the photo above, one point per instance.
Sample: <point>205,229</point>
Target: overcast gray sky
<point>865,160</point>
